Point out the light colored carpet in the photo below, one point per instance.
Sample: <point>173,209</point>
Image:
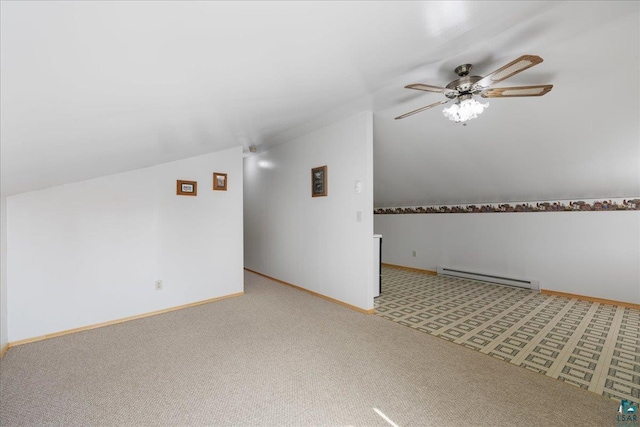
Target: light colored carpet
<point>277,357</point>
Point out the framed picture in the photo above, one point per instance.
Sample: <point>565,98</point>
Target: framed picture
<point>220,181</point>
<point>319,181</point>
<point>186,188</point>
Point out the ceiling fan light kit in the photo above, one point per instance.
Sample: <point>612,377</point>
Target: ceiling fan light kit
<point>464,110</point>
<point>463,89</point>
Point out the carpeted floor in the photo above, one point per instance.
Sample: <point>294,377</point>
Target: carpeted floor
<point>277,357</point>
<point>587,344</point>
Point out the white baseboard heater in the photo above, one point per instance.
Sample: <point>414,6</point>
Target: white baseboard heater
<point>491,278</point>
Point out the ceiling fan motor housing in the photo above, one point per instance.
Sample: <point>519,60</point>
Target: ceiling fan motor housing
<point>464,85</point>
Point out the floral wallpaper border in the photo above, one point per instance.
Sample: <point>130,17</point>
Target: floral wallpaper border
<point>557,206</point>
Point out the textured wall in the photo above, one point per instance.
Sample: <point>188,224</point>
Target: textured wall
<point>3,275</point>
<point>595,254</point>
<point>91,251</point>
<point>317,243</point>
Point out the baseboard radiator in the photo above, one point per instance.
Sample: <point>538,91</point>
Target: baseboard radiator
<point>491,278</point>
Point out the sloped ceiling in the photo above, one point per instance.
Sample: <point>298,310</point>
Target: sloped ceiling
<point>95,88</point>
<point>580,141</point>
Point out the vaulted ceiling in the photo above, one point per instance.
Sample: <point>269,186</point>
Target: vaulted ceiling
<point>95,88</point>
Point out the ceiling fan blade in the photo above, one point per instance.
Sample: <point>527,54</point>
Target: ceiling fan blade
<point>508,92</point>
<point>429,88</point>
<point>512,68</point>
<point>410,113</point>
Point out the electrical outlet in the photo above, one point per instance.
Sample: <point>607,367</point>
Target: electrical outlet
<point>414,254</point>
<point>158,285</point>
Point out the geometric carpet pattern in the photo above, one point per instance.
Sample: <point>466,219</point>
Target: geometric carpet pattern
<point>586,344</point>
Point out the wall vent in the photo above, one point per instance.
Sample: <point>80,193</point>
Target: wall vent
<point>491,278</point>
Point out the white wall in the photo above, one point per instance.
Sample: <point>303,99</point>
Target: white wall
<point>3,273</point>
<point>91,251</point>
<point>595,254</point>
<point>315,243</point>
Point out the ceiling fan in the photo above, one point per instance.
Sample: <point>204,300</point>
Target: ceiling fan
<point>464,88</point>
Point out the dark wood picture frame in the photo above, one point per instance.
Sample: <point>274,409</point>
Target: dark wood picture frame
<point>186,188</point>
<point>319,181</point>
<point>220,181</point>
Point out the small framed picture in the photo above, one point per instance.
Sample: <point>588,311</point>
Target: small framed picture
<point>220,181</point>
<point>186,188</point>
<point>319,181</point>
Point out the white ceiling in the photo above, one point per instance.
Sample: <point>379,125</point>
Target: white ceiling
<point>95,88</point>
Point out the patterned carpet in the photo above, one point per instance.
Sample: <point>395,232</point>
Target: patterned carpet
<point>587,344</point>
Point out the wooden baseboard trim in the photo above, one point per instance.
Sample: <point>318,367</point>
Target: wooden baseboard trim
<point>115,322</point>
<point>416,270</point>
<point>352,307</point>
<point>4,350</point>
<point>592,299</point>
